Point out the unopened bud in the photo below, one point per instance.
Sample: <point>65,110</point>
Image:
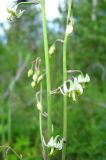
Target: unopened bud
<point>33,84</point>
<point>39,106</point>
<point>30,72</point>
<point>40,78</point>
<point>52,49</point>
<point>38,72</point>
<point>35,76</point>
<point>69,29</point>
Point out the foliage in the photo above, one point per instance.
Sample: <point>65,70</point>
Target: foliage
<point>86,51</point>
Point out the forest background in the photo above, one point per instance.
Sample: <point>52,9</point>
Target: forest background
<point>86,52</point>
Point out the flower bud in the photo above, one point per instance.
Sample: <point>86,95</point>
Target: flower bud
<point>40,78</point>
<point>69,29</point>
<point>39,106</point>
<point>38,72</point>
<point>52,49</point>
<point>87,78</point>
<point>33,84</point>
<point>35,76</point>
<point>30,72</point>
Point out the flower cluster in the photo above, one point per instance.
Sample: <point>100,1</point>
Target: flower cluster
<point>35,73</point>
<point>54,144</point>
<point>14,13</point>
<point>73,88</point>
<point>53,46</point>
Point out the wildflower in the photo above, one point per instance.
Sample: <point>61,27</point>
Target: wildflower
<point>13,13</point>
<point>71,89</point>
<point>82,79</point>
<point>33,84</point>
<point>52,49</point>
<point>54,144</point>
<point>65,90</point>
<point>30,72</point>
<point>76,89</point>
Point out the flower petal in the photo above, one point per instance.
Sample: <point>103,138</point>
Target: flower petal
<point>87,78</point>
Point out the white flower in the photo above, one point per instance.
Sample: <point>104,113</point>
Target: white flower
<point>13,13</point>
<point>71,89</point>
<point>54,143</point>
<point>76,89</point>
<point>82,79</point>
<point>51,143</point>
<point>12,10</point>
<point>66,87</point>
<point>30,72</point>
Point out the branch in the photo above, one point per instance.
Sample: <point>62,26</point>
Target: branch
<point>19,73</point>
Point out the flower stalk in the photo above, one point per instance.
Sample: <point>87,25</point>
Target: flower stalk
<point>40,123</point>
<point>64,79</point>
<point>47,67</point>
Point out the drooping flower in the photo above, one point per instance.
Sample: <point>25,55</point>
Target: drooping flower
<point>76,89</point>
<point>14,13</point>
<point>54,144</point>
<point>71,89</point>
<point>65,90</point>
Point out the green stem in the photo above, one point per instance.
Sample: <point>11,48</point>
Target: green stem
<point>47,67</point>
<point>40,124</point>
<point>22,3</point>
<point>9,120</point>
<point>64,79</point>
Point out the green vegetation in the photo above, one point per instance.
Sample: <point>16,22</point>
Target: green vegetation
<point>19,125</point>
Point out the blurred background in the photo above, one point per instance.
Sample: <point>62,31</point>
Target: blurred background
<point>21,41</point>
